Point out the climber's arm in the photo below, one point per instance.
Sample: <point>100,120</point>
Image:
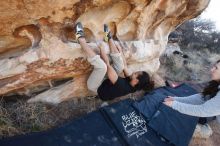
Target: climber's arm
<point>112,75</point>
<point>126,72</point>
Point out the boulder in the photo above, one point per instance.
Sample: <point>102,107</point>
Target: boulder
<point>38,47</point>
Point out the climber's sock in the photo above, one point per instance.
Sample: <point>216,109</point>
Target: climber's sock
<point>79,30</point>
<point>107,33</point>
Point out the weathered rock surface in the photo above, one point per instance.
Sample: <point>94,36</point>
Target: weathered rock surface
<point>37,43</point>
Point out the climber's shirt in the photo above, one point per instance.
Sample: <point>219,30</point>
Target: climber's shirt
<point>108,91</point>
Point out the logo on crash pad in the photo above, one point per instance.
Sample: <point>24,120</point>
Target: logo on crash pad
<point>134,124</point>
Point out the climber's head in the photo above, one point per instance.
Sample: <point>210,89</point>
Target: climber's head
<point>215,71</point>
<point>140,80</point>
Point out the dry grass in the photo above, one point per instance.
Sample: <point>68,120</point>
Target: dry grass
<point>19,117</point>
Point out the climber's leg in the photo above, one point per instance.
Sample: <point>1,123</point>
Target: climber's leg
<point>96,77</point>
<point>115,54</point>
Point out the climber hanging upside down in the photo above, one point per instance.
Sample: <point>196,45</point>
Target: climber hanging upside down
<point>114,86</point>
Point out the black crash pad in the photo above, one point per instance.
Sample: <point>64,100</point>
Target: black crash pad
<point>177,128</point>
<point>131,125</point>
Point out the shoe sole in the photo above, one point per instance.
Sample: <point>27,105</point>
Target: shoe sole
<point>79,27</point>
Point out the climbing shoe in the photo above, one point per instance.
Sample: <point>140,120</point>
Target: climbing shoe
<point>107,33</point>
<point>79,30</point>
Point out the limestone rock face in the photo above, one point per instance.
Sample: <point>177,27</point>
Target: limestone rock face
<point>38,47</point>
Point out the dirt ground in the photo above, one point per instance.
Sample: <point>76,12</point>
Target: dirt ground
<point>214,140</point>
